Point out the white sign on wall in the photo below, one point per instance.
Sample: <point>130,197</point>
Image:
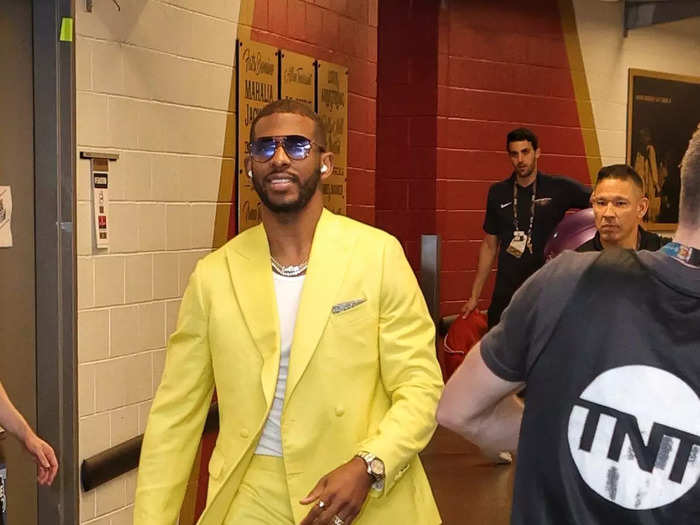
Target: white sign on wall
<point>5,217</point>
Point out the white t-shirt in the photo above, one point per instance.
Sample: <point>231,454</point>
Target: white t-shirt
<point>288,292</point>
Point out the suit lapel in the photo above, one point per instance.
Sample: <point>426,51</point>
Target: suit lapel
<point>328,263</point>
<point>251,274</point>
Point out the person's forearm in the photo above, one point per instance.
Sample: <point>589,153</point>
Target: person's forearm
<point>481,407</point>
<point>10,418</point>
<point>487,254</point>
<point>498,429</point>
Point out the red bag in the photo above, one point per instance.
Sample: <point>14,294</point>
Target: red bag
<point>461,337</point>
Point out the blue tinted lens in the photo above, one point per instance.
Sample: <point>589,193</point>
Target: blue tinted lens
<point>296,146</point>
<point>263,149</point>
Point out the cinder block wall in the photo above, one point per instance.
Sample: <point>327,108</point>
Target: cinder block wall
<point>153,84</point>
<point>156,84</point>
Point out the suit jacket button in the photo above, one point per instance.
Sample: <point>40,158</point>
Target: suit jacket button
<point>339,411</point>
<point>244,433</point>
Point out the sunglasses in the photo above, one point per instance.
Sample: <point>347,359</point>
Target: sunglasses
<point>296,147</point>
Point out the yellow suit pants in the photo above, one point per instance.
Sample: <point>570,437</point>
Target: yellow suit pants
<point>262,498</point>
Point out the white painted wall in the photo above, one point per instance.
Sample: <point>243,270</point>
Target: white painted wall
<point>153,84</point>
<point>608,55</point>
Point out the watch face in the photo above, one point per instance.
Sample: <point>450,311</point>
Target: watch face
<point>377,467</point>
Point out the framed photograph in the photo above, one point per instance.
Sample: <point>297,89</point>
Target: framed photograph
<point>663,111</point>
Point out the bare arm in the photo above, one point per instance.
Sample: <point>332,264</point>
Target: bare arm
<point>480,406</point>
<point>487,254</point>
<point>13,422</point>
<point>10,418</point>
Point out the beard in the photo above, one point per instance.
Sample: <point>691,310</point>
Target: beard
<point>306,191</point>
<point>529,170</point>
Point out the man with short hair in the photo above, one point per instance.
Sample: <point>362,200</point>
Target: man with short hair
<point>521,213</point>
<point>608,345</point>
<point>314,332</point>
<point>619,206</point>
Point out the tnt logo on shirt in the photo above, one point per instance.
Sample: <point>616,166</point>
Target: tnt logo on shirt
<point>634,435</point>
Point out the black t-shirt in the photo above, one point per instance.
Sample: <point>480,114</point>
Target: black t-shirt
<point>554,196</point>
<point>610,352</point>
<point>647,241</point>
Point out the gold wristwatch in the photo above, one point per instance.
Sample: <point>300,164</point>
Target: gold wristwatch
<point>375,468</point>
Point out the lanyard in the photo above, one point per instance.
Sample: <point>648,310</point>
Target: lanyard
<point>532,207</point>
<point>685,254</point>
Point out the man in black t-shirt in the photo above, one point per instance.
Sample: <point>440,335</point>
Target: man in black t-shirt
<point>521,213</point>
<point>619,205</point>
<point>608,345</point>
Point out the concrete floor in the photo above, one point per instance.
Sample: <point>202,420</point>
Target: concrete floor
<point>469,489</point>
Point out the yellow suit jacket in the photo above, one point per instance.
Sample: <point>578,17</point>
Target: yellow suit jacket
<point>362,379</point>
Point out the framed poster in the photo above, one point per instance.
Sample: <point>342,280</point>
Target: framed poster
<point>332,99</point>
<point>663,111</point>
<point>258,85</point>
<point>298,77</point>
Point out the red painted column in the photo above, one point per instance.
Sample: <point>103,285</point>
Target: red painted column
<point>406,121</point>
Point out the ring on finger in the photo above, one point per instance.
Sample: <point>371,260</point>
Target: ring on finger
<point>337,520</point>
<point>321,504</point>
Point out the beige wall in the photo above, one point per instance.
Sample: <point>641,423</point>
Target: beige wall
<point>154,85</point>
<point>607,56</point>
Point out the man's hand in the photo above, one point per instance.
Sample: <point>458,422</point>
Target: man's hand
<point>47,464</point>
<point>342,491</point>
<point>469,306</point>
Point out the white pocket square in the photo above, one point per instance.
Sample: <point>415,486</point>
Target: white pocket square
<point>342,307</point>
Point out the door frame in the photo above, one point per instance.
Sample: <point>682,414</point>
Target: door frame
<point>54,173</point>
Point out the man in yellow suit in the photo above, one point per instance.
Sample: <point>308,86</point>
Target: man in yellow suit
<point>313,331</point>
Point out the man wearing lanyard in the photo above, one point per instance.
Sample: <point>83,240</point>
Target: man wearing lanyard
<point>521,213</point>
<point>608,345</point>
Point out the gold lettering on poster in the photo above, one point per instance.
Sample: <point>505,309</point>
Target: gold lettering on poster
<point>257,87</point>
<point>333,110</point>
<point>652,98</point>
<point>298,78</point>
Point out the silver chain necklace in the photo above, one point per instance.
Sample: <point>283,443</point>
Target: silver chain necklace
<point>292,270</point>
